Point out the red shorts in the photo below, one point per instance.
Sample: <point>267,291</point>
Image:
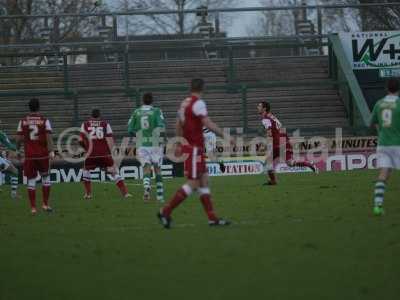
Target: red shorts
<point>34,166</point>
<point>276,153</point>
<point>195,163</point>
<point>98,162</point>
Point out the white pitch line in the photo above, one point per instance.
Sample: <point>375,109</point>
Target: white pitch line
<point>132,184</point>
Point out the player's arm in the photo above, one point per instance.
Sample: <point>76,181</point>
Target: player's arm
<point>177,146</point>
<point>207,122</point>
<point>200,110</point>
<point>109,138</point>
<point>160,120</point>
<point>18,142</point>
<point>4,140</point>
<point>132,125</point>
<point>268,132</point>
<point>160,124</point>
<point>178,127</point>
<point>83,138</point>
<point>110,142</point>
<point>267,127</point>
<point>374,117</point>
<point>19,139</point>
<point>49,139</point>
<point>50,144</point>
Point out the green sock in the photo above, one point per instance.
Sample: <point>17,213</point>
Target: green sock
<point>160,187</point>
<point>147,182</point>
<point>379,193</point>
<point>14,183</point>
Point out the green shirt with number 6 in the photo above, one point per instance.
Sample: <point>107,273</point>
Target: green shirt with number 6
<point>147,122</point>
<point>386,115</point>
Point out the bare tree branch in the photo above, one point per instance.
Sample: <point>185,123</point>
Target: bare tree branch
<point>170,24</point>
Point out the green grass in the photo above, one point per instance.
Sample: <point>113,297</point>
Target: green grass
<point>311,237</point>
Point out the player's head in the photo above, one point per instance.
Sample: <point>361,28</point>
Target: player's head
<point>147,98</point>
<point>34,105</point>
<point>96,113</point>
<point>197,85</point>
<point>263,106</point>
<point>393,86</point>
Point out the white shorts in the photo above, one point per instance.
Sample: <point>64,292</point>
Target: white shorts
<point>4,164</point>
<point>210,141</point>
<point>388,157</point>
<point>150,155</point>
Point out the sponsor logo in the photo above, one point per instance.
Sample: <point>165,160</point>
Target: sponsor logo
<point>236,167</point>
<point>372,50</point>
<point>71,174</point>
<point>357,161</point>
<point>284,168</point>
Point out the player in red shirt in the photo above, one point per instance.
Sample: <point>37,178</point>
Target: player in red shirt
<point>34,131</point>
<point>279,139</point>
<point>192,116</point>
<point>97,139</point>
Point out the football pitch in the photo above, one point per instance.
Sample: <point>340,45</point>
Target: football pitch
<point>311,237</point>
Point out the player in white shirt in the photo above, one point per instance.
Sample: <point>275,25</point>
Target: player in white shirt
<point>210,142</point>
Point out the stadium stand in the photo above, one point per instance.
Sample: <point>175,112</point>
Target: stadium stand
<point>305,104</point>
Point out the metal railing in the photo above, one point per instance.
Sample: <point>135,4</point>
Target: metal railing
<point>125,53</point>
<point>340,73</point>
<point>114,16</point>
<point>354,101</point>
<point>134,93</point>
<point>73,95</point>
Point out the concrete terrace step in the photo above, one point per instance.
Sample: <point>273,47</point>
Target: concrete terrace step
<point>184,73</point>
<point>246,78</point>
<point>302,98</point>
<point>308,86</point>
<point>198,63</point>
<point>24,80</point>
<point>286,60</point>
<point>27,86</point>
<point>308,106</point>
<point>305,122</point>
<point>24,74</point>
<point>308,68</point>
<point>292,93</point>
<point>51,104</point>
<point>112,81</point>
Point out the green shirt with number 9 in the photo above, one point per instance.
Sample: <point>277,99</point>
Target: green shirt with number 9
<point>386,115</point>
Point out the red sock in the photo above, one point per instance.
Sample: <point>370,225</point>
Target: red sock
<point>208,207</point>
<point>32,197</point>
<point>88,187</point>
<point>272,176</point>
<point>122,187</point>
<point>46,194</point>
<point>178,198</point>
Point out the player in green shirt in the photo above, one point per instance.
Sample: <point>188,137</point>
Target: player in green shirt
<point>7,166</point>
<point>386,118</point>
<point>147,123</point>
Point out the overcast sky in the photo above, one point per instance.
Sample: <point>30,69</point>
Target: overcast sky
<point>241,21</point>
<point>244,20</point>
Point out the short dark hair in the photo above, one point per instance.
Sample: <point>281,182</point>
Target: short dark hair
<point>96,113</point>
<point>266,105</point>
<point>197,85</point>
<point>147,98</point>
<point>393,85</point>
<point>34,105</point>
